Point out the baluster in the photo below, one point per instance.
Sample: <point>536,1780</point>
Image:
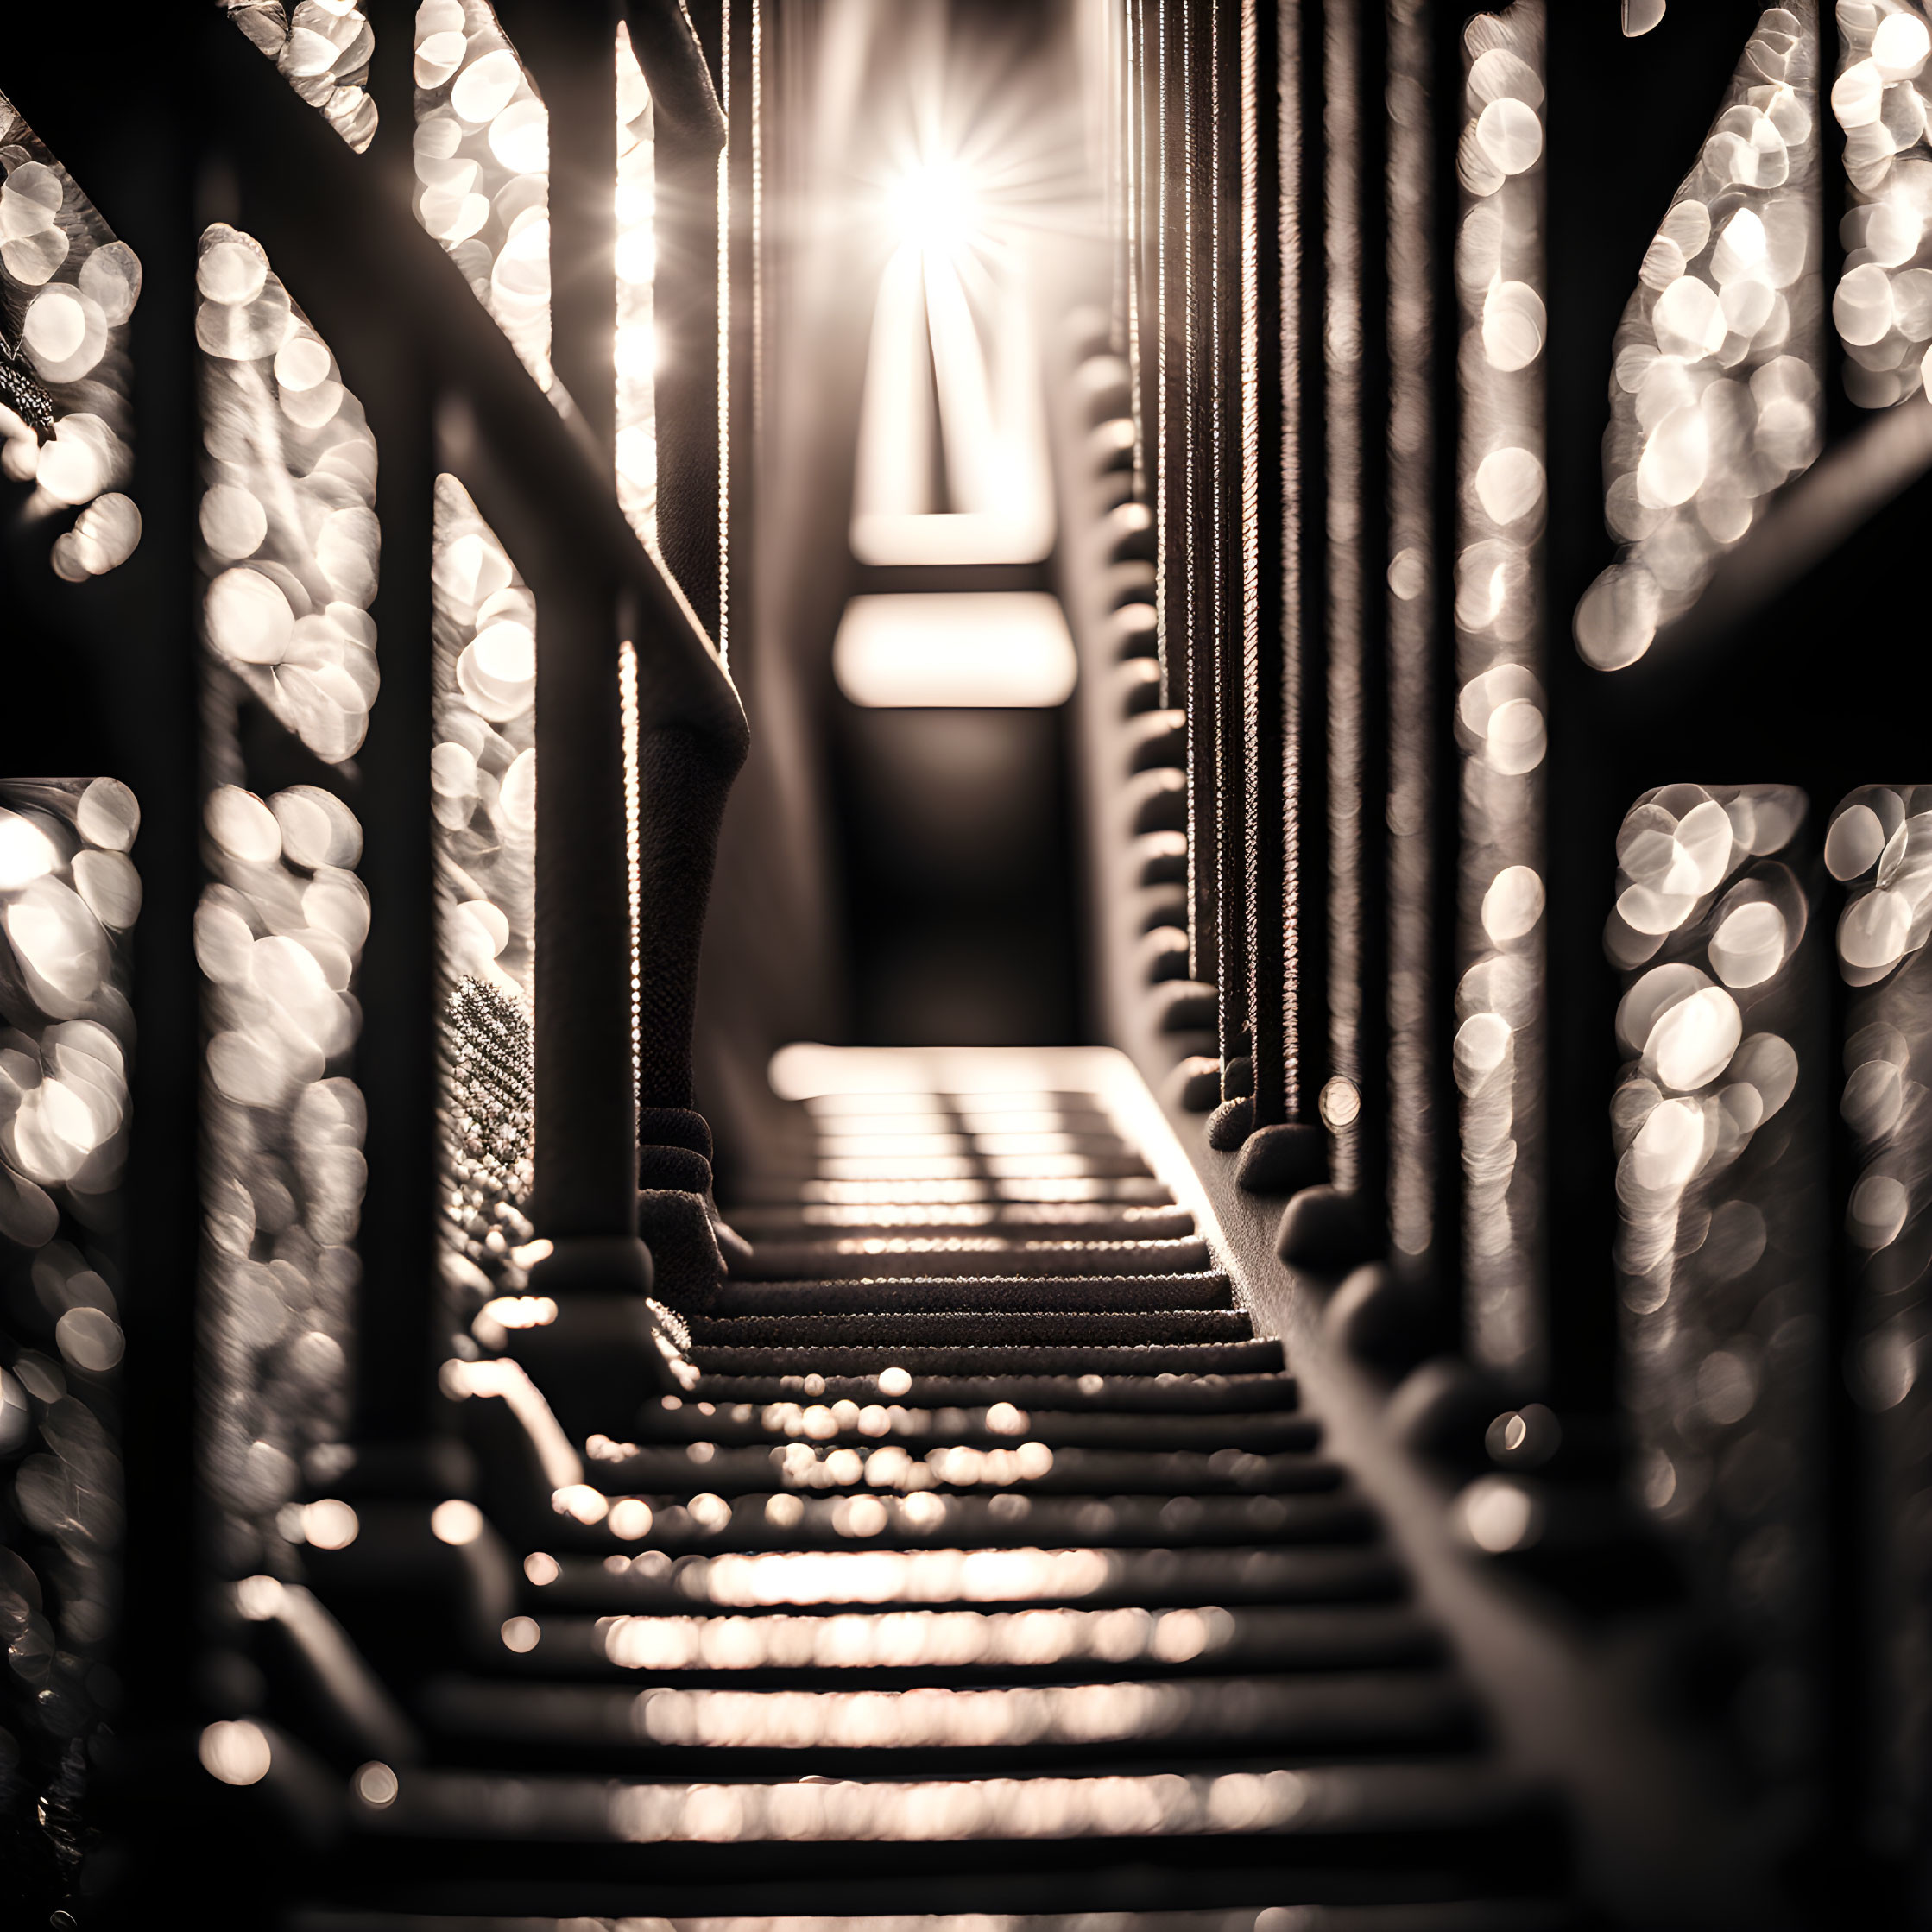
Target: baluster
<point>1283,862</point>
<point>1421,1180</point>
<point>1235,109</point>
<point>586,1108</point>
<point>691,139</point>
<point>1191,604</point>
<point>571,54</point>
<point>401,1322</point>
<point>586,1111</point>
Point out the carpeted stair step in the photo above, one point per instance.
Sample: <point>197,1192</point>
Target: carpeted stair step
<point>941,1296</point>
<point>1132,1189</point>
<point>886,1293</point>
<point>1020,1576</point>
<point>950,1317</point>
<point>710,1523</point>
<point>1122,1388</point>
<point>892,1647</point>
<point>698,1431</point>
<point>1031,1468</point>
<point>1475,1915</point>
<point>1432,1824</point>
<point>988,1567</point>
<point>989,1358</point>
<point>932,1728</point>
<point>1069,1221</point>
<point>978,1256</point>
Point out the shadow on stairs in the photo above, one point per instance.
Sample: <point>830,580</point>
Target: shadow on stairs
<point>989,1576</point>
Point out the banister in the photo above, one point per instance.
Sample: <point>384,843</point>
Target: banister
<point>457,386</point>
<point>674,66</point>
<point>331,238</point>
<point>1816,512</point>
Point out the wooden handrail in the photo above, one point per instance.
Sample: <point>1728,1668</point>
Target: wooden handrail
<point>333,238</point>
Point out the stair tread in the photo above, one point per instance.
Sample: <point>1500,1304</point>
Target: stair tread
<point>895,1646</point>
<point>989,1550</point>
<point>1011,1577</point>
<point>977,1257</point>
<point>878,1327</point>
<point>883,1292</point>
<point>1071,1221</point>
<point>783,1521</point>
<point>1028,1467</point>
<point>1461,1914</point>
<point>988,1100</point>
<point>1328,1800</point>
<point>1409,1711</point>
<point>1117,1162</point>
<point>1140,1190</point>
<point>1125,1388</point>
<point>990,1424</point>
<point>1256,1355</point>
<point>1097,1220</point>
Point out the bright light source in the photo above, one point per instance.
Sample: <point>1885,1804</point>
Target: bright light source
<point>26,852</point>
<point>933,209</point>
<point>330,1524</point>
<point>259,1598</point>
<point>456,1522</point>
<point>936,376</point>
<point>237,1753</point>
<point>579,1500</point>
<point>985,647</point>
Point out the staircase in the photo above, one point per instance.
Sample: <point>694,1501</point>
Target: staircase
<point>980,1567</point>
<point>989,1575</point>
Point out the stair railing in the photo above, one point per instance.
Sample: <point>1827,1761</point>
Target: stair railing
<point>1434,217</point>
<point>444,392</point>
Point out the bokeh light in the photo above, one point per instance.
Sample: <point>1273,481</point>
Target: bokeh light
<point>288,556</point>
<point>1499,713</point>
<point>636,349</point>
<point>1876,848</point>
<point>290,543</point>
<point>322,48</point>
<point>483,168</point>
<point>1883,305</point>
<point>483,797</point>
<point>278,935</point>
<point>1714,396</point>
<point>1719,1205</point>
<point>69,897</point>
<point>69,288</point>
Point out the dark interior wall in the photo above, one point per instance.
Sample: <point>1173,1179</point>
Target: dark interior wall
<point>772,968</point>
<point>959,889</point>
<point>884,875</point>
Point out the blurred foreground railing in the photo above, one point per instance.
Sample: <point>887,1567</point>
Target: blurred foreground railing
<point>289,1301</point>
